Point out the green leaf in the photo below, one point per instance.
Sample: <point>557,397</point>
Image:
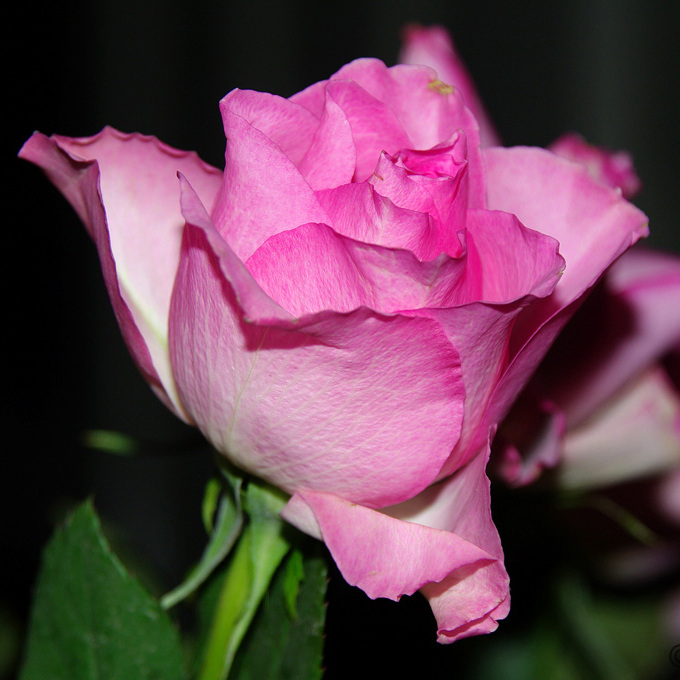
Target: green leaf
<point>281,647</point>
<point>111,442</point>
<point>293,576</point>
<point>91,619</point>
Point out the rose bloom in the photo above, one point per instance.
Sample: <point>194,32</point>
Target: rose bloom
<point>351,306</point>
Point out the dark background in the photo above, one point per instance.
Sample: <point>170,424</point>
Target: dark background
<point>609,70</point>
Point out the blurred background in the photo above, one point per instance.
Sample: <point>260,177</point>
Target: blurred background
<point>609,70</point>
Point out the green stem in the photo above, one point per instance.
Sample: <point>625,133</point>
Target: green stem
<point>258,554</point>
<point>230,607</point>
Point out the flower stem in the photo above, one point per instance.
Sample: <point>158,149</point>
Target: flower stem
<point>259,552</point>
<point>230,605</point>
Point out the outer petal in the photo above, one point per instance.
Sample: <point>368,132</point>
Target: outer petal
<point>481,335</point>
<point>594,226</point>
<point>297,402</point>
<point>482,331</point>
<point>382,555</point>
<point>124,188</point>
<point>432,46</point>
<point>442,541</point>
<point>592,223</point>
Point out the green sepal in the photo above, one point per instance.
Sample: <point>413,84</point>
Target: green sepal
<point>260,549</point>
<point>223,517</point>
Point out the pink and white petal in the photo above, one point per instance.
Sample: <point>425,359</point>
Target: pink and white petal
<point>635,434</point>
<point>290,126</point>
<point>432,46</point>
<point>382,555</point>
<point>297,402</point>
<point>263,193</point>
<point>471,600</point>
<point>481,331</point>
<point>125,189</point>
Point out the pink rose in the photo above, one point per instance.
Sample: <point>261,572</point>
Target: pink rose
<point>350,308</point>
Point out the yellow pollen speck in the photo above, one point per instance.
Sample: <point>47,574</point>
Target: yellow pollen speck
<point>440,86</point>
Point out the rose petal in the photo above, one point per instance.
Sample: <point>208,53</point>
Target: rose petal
<point>403,107</point>
<point>636,322</point>
<point>445,197</point>
<point>331,158</point>
<point>535,267</point>
<point>263,193</point>
<point>384,556</point>
<point>472,600</point>
<point>358,211</point>
<point>375,126</point>
<point>615,169</point>
<point>480,334</point>
<point>593,224</point>
<point>429,111</point>
<point>290,126</point>
<point>633,435</point>
<point>297,402</point>
<point>295,267</point>
<point>432,46</point>
<point>125,189</point>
